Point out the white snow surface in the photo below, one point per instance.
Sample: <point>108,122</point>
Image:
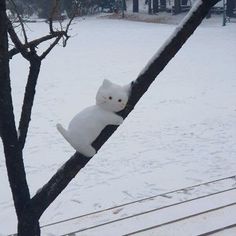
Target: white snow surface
<point>182,132</point>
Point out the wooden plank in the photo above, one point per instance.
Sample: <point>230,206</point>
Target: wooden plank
<point>138,211</point>
<point>225,231</point>
<point>199,224</point>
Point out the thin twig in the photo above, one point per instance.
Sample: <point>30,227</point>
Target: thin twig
<point>36,42</point>
<point>51,16</point>
<point>68,26</point>
<point>20,20</point>
<point>45,53</point>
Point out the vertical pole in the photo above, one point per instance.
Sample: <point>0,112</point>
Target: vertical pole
<point>155,6</point>
<point>149,6</point>
<point>229,7</point>
<point>177,7</point>
<point>135,6</point>
<point>162,5</point>
<point>123,8</point>
<point>224,13</point>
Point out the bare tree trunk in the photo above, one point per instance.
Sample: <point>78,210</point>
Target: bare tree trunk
<point>13,141</point>
<point>28,225</point>
<point>13,155</point>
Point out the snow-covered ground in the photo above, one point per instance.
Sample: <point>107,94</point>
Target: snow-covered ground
<point>183,131</point>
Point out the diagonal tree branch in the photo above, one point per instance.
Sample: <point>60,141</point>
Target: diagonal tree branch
<point>36,42</point>
<point>47,194</point>
<point>20,19</point>
<point>15,39</point>
<point>35,64</point>
<point>48,50</point>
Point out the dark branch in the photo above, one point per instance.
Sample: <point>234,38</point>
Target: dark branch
<point>62,34</point>
<point>20,20</point>
<point>23,48</point>
<point>35,64</point>
<point>28,50</point>
<point>70,22</point>
<point>45,53</point>
<point>36,42</point>
<point>15,39</point>
<point>52,15</point>
<point>45,196</point>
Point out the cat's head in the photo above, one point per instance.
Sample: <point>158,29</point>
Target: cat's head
<point>112,97</point>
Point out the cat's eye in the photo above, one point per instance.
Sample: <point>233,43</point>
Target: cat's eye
<point>110,97</point>
<point>119,100</point>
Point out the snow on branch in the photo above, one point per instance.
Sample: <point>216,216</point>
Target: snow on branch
<point>172,36</point>
<point>46,195</point>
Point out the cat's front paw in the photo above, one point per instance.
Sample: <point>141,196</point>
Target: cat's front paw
<point>89,151</point>
<point>119,120</point>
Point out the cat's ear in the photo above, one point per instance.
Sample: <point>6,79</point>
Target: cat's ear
<point>106,83</point>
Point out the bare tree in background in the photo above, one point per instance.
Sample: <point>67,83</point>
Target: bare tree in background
<point>14,138</point>
<point>28,208</point>
<point>135,5</point>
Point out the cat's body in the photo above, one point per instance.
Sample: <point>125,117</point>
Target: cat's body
<point>85,127</point>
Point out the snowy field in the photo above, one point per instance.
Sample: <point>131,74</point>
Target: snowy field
<point>183,131</point>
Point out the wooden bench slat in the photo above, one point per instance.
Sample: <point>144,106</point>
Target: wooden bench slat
<point>199,224</point>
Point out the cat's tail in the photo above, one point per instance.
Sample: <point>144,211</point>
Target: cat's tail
<point>63,132</point>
